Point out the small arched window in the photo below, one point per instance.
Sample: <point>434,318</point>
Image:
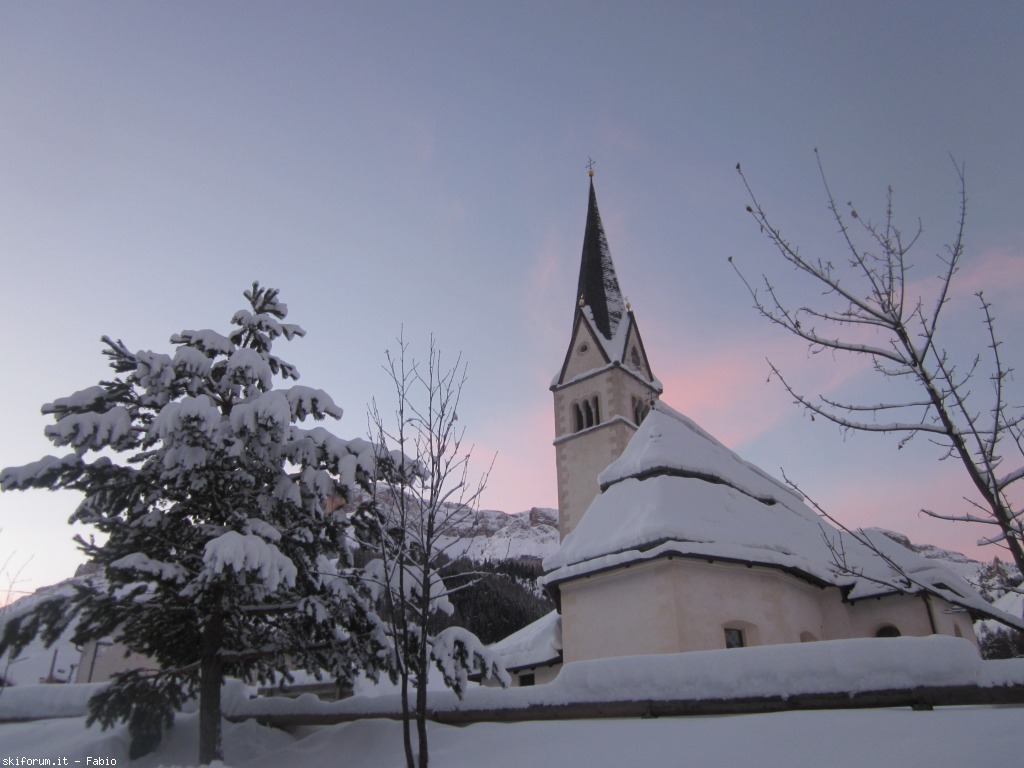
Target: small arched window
<point>740,634</point>
<point>888,630</point>
<point>578,412</point>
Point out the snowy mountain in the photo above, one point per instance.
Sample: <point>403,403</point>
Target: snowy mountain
<point>494,535</point>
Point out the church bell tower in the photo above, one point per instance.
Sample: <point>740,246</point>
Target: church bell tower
<point>605,386</point>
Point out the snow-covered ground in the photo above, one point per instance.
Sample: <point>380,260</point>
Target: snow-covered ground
<point>953,738</point>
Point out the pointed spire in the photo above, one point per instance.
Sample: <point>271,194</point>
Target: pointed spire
<point>598,285</point>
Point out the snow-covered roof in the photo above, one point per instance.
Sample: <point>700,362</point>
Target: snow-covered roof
<point>677,490</point>
<point>534,645</point>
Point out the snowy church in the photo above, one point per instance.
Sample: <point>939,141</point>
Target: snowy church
<point>670,542</point>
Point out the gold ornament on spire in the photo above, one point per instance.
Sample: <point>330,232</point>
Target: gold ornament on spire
<point>590,167</point>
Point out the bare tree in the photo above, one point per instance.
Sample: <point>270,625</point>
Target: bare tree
<point>423,500</point>
<point>868,307</point>
<point>10,582</point>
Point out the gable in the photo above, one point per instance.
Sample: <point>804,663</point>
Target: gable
<point>634,356</point>
<point>586,353</point>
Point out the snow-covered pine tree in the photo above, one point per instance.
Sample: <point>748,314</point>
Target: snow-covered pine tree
<point>220,555</point>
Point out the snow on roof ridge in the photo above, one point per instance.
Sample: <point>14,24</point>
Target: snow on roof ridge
<point>718,463</point>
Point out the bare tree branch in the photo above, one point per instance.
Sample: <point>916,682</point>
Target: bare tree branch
<point>422,503</point>
<point>867,293</point>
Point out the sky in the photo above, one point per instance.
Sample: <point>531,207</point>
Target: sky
<point>422,166</point>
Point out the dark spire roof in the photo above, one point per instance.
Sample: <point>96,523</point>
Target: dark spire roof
<point>598,286</point>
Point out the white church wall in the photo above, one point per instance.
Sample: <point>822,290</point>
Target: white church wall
<point>622,613</point>
<point>909,614</point>
<point>686,604</point>
<point>958,621</point>
<point>670,606</point>
<point>770,606</point>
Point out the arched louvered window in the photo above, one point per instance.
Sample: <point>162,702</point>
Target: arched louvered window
<point>588,414</point>
<point>640,410</point>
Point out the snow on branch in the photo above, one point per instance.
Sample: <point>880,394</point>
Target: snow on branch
<point>457,652</point>
<point>248,553</point>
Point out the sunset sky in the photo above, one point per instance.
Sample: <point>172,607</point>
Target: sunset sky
<point>424,164</point>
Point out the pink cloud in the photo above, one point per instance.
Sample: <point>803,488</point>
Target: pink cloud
<point>895,499</point>
<point>524,468</point>
<point>726,389</point>
<point>997,272</point>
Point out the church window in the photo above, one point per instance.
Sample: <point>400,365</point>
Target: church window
<point>734,638</point>
<point>584,347</point>
<point>640,410</point>
<point>888,630</point>
<point>635,359</point>
<point>527,678</point>
<point>588,414</point>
